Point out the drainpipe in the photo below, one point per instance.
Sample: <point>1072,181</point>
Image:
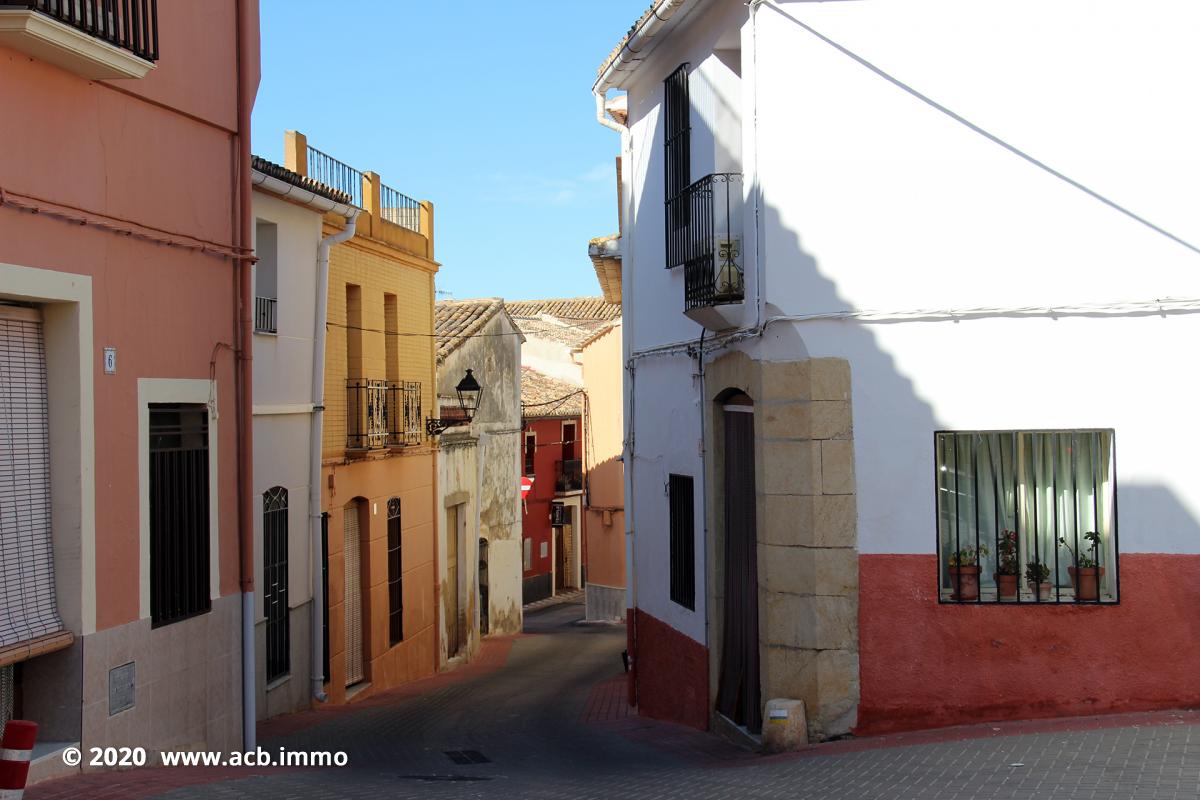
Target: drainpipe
<point>247,84</point>
<point>314,448</point>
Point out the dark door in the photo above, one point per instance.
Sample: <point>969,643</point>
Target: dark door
<point>560,560</point>
<point>738,692</point>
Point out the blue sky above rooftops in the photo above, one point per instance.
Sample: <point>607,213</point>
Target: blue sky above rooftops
<point>482,107</point>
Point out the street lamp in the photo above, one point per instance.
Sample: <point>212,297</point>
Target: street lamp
<point>469,393</point>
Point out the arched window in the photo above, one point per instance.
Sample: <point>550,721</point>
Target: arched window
<point>275,581</point>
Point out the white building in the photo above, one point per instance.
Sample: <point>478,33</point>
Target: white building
<point>871,249</point>
<point>289,314</point>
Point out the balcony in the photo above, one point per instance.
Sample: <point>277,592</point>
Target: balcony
<point>568,475</point>
<point>96,39</point>
<point>704,236</point>
<point>264,315</point>
<point>382,414</point>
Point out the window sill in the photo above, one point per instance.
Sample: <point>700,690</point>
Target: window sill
<point>47,39</point>
<point>282,680</point>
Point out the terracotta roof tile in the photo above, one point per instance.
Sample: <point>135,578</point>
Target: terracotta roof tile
<point>284,174</point>
<point>455,321</point>
<point>544,396</point>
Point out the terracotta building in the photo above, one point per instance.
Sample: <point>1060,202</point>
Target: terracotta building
<point>125,326</point>
<point>379,475</point>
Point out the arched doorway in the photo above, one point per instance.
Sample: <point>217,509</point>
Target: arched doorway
<point>738,688</point>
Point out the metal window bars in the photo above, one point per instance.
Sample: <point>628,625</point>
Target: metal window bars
<point>265,315</point>
<point>399,209</point>
<point>275,582</point>
<point>383,414</point>
<point>1040,504</point>
<point>128,24</point>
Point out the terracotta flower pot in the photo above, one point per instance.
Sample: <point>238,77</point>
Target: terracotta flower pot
<point>1087,582</point>
<point>1006,586</point>
<point>964,581</point>
<point>1044,590</point>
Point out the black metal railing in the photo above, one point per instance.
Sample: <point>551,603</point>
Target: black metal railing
<point>327,170</point>
<point>275,582</point>
<point>399,209</point>
<point>264,315</point>
<point>704,224</point>
<point>383,414</point>
<point>128,24</point>
<point>568,475</point>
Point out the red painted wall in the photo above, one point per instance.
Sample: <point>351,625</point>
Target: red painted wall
<point>925,665</point>
<point>671,673</point>
<point>535,520</point>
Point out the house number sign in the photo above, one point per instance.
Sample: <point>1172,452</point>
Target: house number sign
<point>110,361</point>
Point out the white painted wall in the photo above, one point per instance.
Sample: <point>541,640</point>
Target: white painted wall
<point>873,200</point>
<point>282,390</point>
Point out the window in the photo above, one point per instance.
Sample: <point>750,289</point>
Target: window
<point>527,554</point>
<point>677,151</point>
<point>325,593</point>
<point>568,441</point>
<point>179,530</point>
<point>530,451</point>
<point>275,581</point>
<point>395,568</point>
<point>683,540</point>
<point>266,277</point>
<point>1027,516</point>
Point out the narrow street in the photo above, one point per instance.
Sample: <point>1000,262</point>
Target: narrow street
<point>539,727</point>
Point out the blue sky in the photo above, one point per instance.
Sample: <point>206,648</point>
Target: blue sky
<point>483,107</point>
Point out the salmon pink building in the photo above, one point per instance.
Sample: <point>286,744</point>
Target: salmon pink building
<point>124,372</point>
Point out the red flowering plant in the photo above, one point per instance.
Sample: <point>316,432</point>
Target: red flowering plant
<point>1006,554</point>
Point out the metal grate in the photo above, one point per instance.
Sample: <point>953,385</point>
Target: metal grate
<point>8,694</point>
<point>179,521</point>
<point>264,315</point>
<point>680,493</point>
<point>395,573</point>
<point>677,152</point>
<point>383,414</point>
<point>128,24</point>
<point>328,171</point>
<point>399,209</point>
<point>275,581</point>
<point>709,246</point>
<point>1027,517</point>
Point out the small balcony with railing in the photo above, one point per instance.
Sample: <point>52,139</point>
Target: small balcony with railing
<point>382,415</point>
<point>95,39</point>
<point>389,215</point>
<point>704,236</point>
<point>568,475</point>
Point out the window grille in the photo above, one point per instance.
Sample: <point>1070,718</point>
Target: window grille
<point>395,573</point>
<point>683,540</point>
<point>1027,516</point>
<point>179,522</point>
<point>677,152</point>
<point>275,581</point>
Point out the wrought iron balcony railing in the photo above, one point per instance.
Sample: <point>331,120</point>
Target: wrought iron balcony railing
<point>327,170</point>
<point>382,414</point>
<point>264,315</point>
<point>399,209</point>
<point>568,475</point>
<point>128,24</point>
<point>704,236</point>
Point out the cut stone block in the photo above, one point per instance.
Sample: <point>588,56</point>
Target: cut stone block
<point>785,726</point>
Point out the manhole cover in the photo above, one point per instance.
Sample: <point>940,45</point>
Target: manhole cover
<point>467,757</point>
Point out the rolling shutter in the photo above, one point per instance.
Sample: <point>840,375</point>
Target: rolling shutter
<point>27,602</point>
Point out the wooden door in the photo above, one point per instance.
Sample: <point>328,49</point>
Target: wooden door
<point>560,560</point>
<point>353,600</point>
<point>452,576</point>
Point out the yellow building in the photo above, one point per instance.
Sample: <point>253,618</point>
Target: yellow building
<point>378,477</point>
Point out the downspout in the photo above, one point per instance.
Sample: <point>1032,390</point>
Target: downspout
<point>245,28</point>
<point>314,450</point>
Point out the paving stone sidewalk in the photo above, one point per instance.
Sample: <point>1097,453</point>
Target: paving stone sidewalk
<point>547,724</point>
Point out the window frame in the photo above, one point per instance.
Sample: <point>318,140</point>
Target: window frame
<point>1019,601</point>
<point>682,584</point>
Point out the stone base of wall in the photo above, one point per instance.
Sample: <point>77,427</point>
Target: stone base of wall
<point>671,673</point>
<point>536,588</point>
<point>604,603</point>
<point>926,665</point>
<point>187,680</point>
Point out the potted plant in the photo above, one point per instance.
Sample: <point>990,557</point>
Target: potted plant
<point>1007,566</point>
<point>964,572</point>
<point>1038,574</point>
<point>1086,571</point>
